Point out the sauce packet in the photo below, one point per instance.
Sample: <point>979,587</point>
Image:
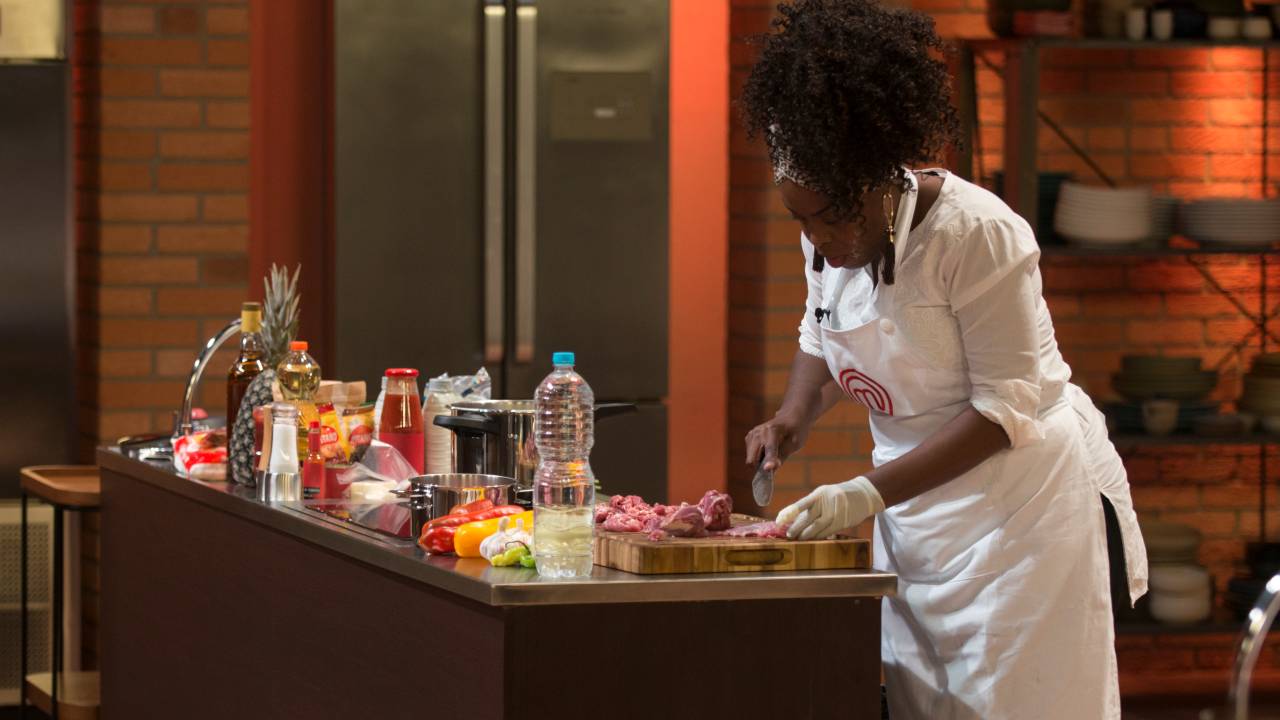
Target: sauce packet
<point>355,429</point>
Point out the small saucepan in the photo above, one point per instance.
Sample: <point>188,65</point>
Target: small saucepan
<point>433,496</point>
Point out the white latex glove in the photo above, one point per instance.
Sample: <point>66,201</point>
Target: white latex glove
<point>831,508</point>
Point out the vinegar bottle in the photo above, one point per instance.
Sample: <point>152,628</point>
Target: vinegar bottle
<point>250,362</point>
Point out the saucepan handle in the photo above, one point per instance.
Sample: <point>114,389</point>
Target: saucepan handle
<point>606,410</point>
<point>456,423</point>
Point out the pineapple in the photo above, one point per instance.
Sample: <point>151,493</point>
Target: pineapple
<point>279,327</point>
<point>279,312</point>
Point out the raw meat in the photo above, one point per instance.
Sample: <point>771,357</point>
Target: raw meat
<point>717,510</point>
<point>686,521</point>
<point>712,516</point>
<point>766,529</point>
<point>619,522</point>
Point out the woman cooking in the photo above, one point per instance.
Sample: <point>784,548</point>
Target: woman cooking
<point>924,304</point>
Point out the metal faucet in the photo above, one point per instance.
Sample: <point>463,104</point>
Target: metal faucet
<point>1251,640</point>
<point>183,424</point>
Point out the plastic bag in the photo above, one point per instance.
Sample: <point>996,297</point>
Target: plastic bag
<point>381,465</point>
<point>473,387</point>
<point>202,455</point>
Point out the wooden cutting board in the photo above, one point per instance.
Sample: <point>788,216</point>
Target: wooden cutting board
<point>636,553</point>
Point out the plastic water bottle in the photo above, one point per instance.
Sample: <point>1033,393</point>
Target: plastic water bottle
<point>564,486</point>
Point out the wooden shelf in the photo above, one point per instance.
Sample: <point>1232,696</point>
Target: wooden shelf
<point>1048,43</point>
<point>1077,251</point>
<point>1130,440</point>
<point>1220,624</point>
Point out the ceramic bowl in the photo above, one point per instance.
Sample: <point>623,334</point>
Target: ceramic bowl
<point>1179,579</point>
<point>1257,28</point>
<point>1180,610</point>
<point>1224,28</point>
<point>1220,425</point>
<point>1160,417</point>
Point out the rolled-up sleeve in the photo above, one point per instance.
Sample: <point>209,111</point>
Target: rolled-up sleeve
<point>810,334</point>
<point>994,294</point>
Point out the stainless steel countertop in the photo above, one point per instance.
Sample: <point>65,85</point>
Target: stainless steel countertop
<point>475,579</point>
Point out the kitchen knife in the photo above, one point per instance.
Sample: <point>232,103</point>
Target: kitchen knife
<point>762,485</point>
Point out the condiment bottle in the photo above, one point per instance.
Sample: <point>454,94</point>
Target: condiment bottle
<point>313,466</point>
<point>401,421</point>
<point>299,377</point>
<point>284,439</point>
<point>440,398</point>
<point>282,482</point>
<point>298,373</point>
<point>250,361</point>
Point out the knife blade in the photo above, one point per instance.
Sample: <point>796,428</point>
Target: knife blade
<point>762,485</point>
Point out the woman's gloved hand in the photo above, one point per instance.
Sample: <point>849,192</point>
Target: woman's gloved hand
<point>830,509</point>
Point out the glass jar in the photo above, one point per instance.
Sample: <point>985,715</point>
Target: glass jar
<point>400,424</point>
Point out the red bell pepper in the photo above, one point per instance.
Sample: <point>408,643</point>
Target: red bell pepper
<point>452,520</point>
<point>438,540</point>
<point>471,507</point>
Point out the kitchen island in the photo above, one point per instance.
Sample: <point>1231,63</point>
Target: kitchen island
<point>217,605</point>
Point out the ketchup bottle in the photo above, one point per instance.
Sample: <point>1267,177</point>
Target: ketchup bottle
<point>313,466</point>
<point>401,423</point>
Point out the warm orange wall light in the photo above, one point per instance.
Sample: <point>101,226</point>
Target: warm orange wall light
<point>698,387</point>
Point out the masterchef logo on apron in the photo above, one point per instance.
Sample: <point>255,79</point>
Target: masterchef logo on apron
<point>866,391</point>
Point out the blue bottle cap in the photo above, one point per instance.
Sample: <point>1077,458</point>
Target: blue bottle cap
<point>562,358</point>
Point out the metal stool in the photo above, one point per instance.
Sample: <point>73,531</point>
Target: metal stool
<point>64,487</point>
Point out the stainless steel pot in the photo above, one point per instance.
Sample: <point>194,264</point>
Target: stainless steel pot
<point>433,496</point>
<point>496,436</point>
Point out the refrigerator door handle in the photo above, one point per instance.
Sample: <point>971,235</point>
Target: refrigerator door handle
<point>495,15</point>
<point>526,176</point>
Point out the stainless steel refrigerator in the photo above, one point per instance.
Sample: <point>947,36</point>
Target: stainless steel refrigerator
<point>500,194</point>
<point>37,364</point>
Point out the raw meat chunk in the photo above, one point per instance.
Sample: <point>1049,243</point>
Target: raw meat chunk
<point>717,509</point>
<point>602,513</point>
<point>766,529</point>
<point>686,521</point>
<point>619,522</point>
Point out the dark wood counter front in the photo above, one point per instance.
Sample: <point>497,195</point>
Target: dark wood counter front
<point>217,606</point>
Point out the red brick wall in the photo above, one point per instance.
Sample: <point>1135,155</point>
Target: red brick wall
<point>766,302</point>
<point>1187,122</point>
<point>161,146</point>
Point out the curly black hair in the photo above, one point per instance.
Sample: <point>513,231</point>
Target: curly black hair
<point>847,92</point>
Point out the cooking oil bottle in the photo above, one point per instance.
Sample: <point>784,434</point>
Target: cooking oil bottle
<point>298,373</point>
<point>299,378</point>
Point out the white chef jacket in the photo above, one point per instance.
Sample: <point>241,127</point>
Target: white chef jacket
<point>989,584</point>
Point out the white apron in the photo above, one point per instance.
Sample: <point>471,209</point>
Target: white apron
<point>1003,608</point>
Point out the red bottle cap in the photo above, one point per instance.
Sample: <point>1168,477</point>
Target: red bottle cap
<point>298,346</point>
<point>315,425</point>
<point>402,372</point>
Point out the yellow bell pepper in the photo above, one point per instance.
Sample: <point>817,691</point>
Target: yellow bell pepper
<point>466,542</point>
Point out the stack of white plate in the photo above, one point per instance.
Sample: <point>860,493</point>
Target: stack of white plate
<point>1181,589</point>
<point>1232,221</point>
<point>1097,216</point>
<point>1180,593</point>
<point>1150,377</point>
